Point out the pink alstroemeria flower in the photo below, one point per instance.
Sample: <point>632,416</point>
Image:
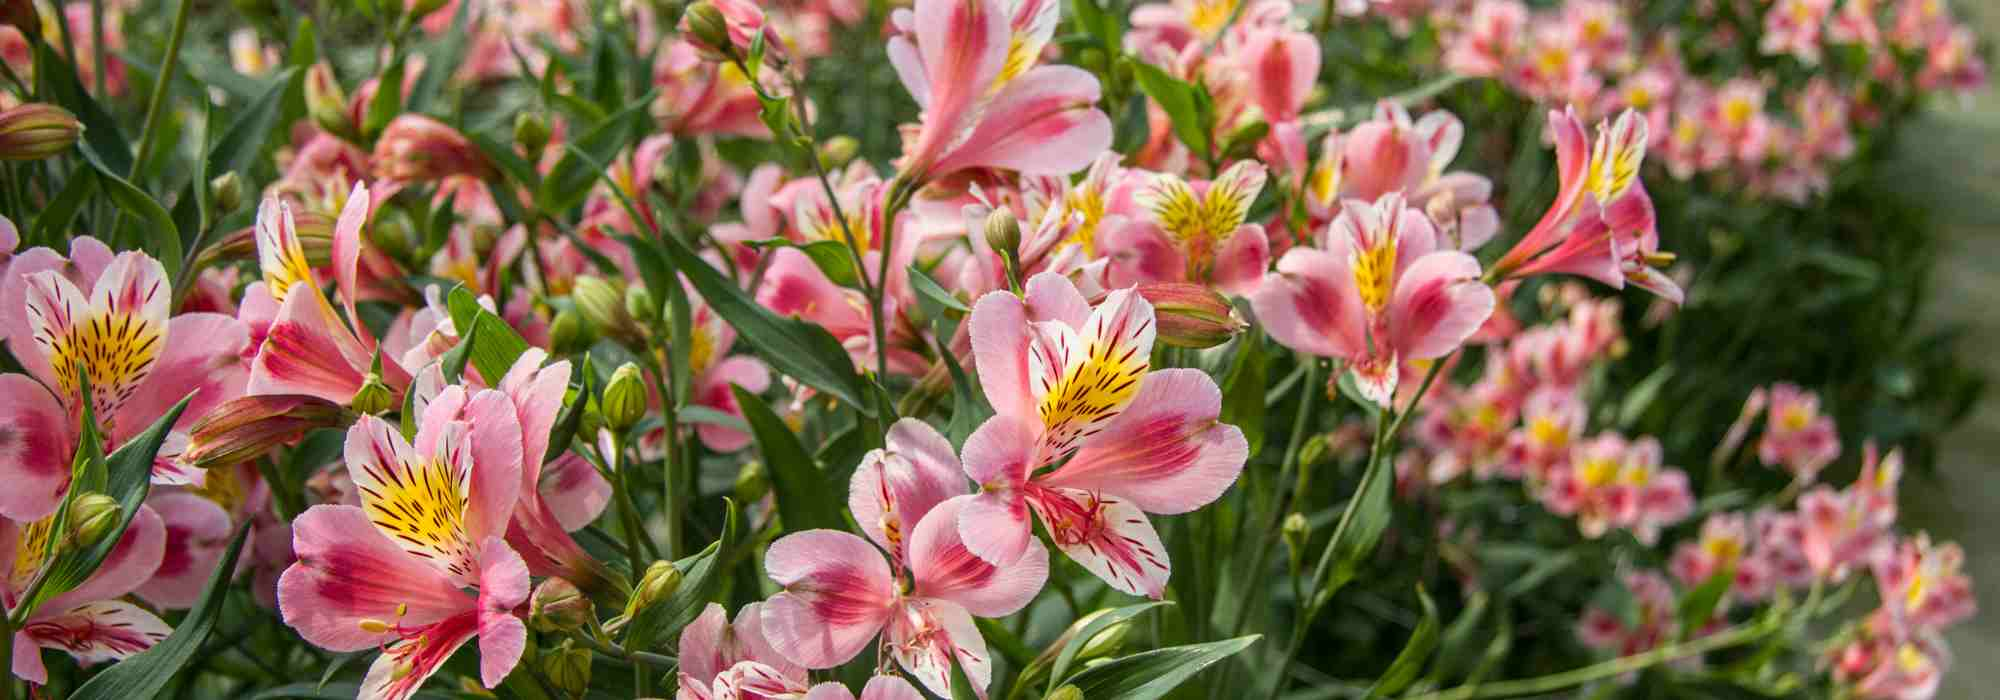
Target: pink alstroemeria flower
<point>1070,381</point>
<point>1883,662</point>
<point>1601,225</point>
<point>878,688</point>
<point>718,657</point>
<point>1611,482</point>
<point>89,621</point>
<point>308,349</point>
<point>970,65</point>
<point>139,361</point>
<point>1378,293</point>
<point>1193,232</point>
<point>1924,586</point>
<point>1654,624</point>
<point>420,567</point>
<point>1844,530</point>
<point>841,593</point>
<point>1797,436</point>
<point>1724,545</point>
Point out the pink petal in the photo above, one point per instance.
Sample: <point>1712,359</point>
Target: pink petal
<point>1140,253</point>
<point>1241,260</point>
<point>1166,454</point>
<point>27,662</point>
<point>202,357</point>
<point>927,635</point>
<point>97,632</point>
<point>962,44</point>
<point>197,531</point>
<point>35,449</point>
<point>573,491</point>
<point>838,593</point>
<point>1311,305</point>
<point>503,585</point>
<point>747,372</point>
<point>538,393</point>
<point>1044,122</point>
<point>887,688</point>
<point>403,667</point>
<point>1053,297</point>
<point>894,487</point>
<point>995,525</point>
<point>126,568</point>
<point>347,245</point>
<point>308,351</point>
<point>348,572</point>
<point>701,645</point>
<point>1109,536</point>
<point>1000,348</point>
<point>1437,304</point>
<point>943,568</point>
<point>495,442</point>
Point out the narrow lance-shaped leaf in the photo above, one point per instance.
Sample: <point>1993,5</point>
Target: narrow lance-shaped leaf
<point>796,480</point>
<point>1152,674</point>
<point>701,577</point>
<point>147,673</point>
<point>1415,653</point>
<point>127,477</point>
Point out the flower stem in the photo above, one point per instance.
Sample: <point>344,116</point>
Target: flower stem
<point>1608,669</point>
<point>157,102</point>
<point>7,652</point>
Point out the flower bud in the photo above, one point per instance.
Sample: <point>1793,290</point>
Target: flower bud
<point>1296,532</point>
<point>567,668</point>
<point>1103,644</point>
<point>1313,450</point>
<point>640,304</point>
<point>416,147</point>
<point>245,428</point>
<point>569,333</point>
<point>624,400</point>
<point>227,191</point>
<point>558,606</point>
<point>91,518</point>
<point>837,151</point>
<point>531,131</point>
<point>20,14</point>
<point>1242,142</point>
<point>751,482</point>
<point>704,26</point>
<point>1067,692</point>
<point>1003,233</point>
<point>374,397</point>
<point>35,131</point>
<point>326,102</point>
<point>602,303</point>
<point>1192,315</point>
<point>659,583</point>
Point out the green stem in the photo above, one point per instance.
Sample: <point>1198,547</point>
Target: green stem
<point>1553,682</point>
<point>157,102</point>
<point>7,652</point>
<point>97,43</point>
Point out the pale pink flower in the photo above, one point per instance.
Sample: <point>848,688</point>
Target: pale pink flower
<point>1844,529</point>
<point>421,566</point>
<point>1797,436</point>
<point>1952,61</point>
<point>1924,586</point>
<point>718,658</point>
<point>1379,292</point>
<point>1882,662</point>
<point>970,64</point>
<point>1193,232</point>
<point>878,688</point>
<point>1725,544</point>
<point>1069,380</point>
<point>1856,22</point>
<point>1654,622</point>
<point>1794,27</point>
<point>699,96</point>
<point>1612,483</point>
<point>1487,44</point>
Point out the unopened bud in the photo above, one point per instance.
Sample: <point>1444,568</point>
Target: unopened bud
<point>416,147</point>
<point>567,668</point>
<point>1296,532</point>
<point>91,518</point>
<point>640,304</point>
<point>1191,315</point>
<point>624,400</point>
<point>659,583</point>
<point>35,131</point>
<point>1067,692</point>
<point>227,190</point>
<point>1312,451</point>
<point>374,398</point>
<point>244,428</point>
<point>569,333</point>
<point>837,151</point>
<point>558,606</point>
<point>326,102</point>
<point>1104,643</point>
<point>704,26</point>
<point>602,303</point>
<point>751,482</point>
<point>1003,233</point>
<point>1242,142</point>
<point>531,131</point>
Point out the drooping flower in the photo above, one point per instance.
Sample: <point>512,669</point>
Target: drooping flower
<point>840,593</point>
<point>970,64</point>
<point>1070,381</point>
<point>1193,232</point>
<point>421,566</point>
<point>1378,292</point>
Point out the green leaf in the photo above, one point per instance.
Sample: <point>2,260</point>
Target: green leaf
<point>928,289</point>
<point>1065,658</point>
<point>1361,526</point>
<point>569,181</point>
<point>708,416</point>
<point>1153,674</point>
<point>101,135</point>
<point>1182,102</point>
<point>239,146</point>
<point>144,675</point>
<point>127,476</point>
<point>833,258</point>
<point>53,224</point>
<point>795,348</point>
<point>1415,653</point>
<point>304,45</point>
<point>1641,396</point>
<point>701,577</point>
<point>1699,603</point>
<point>498,344</point>
<point>797,482</point>
<point>163,239</point>
<point>388,101</point>
<point>1134,126</point>
<point>1243,400</point>
<point>571,416</point>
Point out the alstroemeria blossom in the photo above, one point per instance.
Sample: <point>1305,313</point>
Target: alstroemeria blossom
<point>1193,232</point>
<point>841,593</point>
<point>1379,292</point>
<point>90,622</point>
<point>970,65</point>
<point>421,566</point>
<point>1067,380</point>
<point>719,658</point>
<point>1611,482</point>
<point>1923,585</point>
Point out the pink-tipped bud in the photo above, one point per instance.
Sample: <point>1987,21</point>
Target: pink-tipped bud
<point>35,131</point>
<point>326,102</point>
<point>416,147</point>
<point>723,30</point>
<point>1192,315</point>
<point>244,428</point>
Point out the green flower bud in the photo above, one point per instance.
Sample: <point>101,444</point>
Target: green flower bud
<point>624,400</point>
<point>837,151</point>
<point>1003,233</point>
<point>708,30</point>
<point>751,482</point>
<point>602,303</point>
<point>558,606</point>
<point>1067,692</point>
<point>1191,315</point>
<point>1296,532</point>
<point>91,518</point>
<point>569,333</point>
<point>567,668</point>
<point>640,304</point>
<point>659,583</point>
<point>35,131</point>
<point>326,102</point>
<point>227,191</point>
<point>374,398</point>
<point>531,131</point>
